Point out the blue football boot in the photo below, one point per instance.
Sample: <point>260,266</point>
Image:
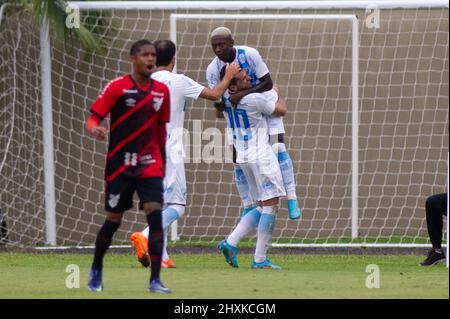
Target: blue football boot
<point>294,211</point>
<point>229,252</point>
<point>266,264</point>
<point>95,280</point>
<point>157,286</point>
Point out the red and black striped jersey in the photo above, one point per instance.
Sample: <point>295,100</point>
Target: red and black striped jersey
<point>137,133</point>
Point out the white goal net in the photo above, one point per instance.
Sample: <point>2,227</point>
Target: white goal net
<point>402,112</point>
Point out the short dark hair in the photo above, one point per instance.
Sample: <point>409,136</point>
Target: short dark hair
<point>222,74</point>
<point>165,51</point>
<point>138,45</point>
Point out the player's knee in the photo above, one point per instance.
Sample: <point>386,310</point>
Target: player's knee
<point>179,209</point>
<point>150,207</point>
<point>114,217</point>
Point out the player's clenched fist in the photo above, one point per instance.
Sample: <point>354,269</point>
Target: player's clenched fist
<point>99,132</point>
<point>231,70</point>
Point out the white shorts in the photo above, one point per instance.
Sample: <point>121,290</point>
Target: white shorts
<point>175,183</point>
<point>264,178</point>
<point>275,124</point>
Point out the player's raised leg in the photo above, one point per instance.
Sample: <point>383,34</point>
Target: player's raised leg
<point>172,213</point>
<point>287,171</point>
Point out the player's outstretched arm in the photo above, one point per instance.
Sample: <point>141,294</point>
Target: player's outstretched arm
<point>266,84</point>
<point>216,93</point>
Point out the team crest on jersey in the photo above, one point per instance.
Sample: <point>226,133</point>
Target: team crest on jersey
<point>130,102</point>
<point>241,58</point>
<point>113,200</point>
<point>157,101</point>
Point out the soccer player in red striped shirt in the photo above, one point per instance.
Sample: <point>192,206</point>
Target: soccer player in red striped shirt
<point>139,108</point>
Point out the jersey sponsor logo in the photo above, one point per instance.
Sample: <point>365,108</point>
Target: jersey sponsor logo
<point>130,102</point>
<point>129,91</point>
<point>157,93</point>
<point>113,200</point>
<point>157,101</point>
<point>146,159</point>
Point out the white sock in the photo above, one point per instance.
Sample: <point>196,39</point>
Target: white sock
<point>265,231</point>
<point>247,223</point>
<point>145,232</point>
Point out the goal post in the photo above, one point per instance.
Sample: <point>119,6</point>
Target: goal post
<point>367,128</point>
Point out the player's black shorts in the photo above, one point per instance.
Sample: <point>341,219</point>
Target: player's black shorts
<point>119,192</point>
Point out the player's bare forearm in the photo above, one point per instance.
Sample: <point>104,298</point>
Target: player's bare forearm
<point>216,93</point>
<point>266,84</point>
<point>280,107</point>
<point>94,128</point>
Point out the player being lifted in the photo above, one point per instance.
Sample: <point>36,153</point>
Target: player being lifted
<point>255,157</point>
<point>250,60</point>
<point>140,109</point>
<point>180,88</point>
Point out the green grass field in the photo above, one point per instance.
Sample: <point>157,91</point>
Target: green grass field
<point>201,276</point>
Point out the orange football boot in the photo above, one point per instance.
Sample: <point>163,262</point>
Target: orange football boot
<point>140,244</point>
<point>168,263</point>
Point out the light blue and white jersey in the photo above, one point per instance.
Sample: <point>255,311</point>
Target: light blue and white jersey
<point>248,59</point>
<point>180,88</point>
<point>247,125</point>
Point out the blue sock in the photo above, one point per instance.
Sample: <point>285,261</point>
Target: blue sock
<point>265,230</point>
<point>169,215</point>
<point>287,172</point>
<point>253,216</point>
<point>242,186</point>
<point>247,223</point>
<point>248,209</point>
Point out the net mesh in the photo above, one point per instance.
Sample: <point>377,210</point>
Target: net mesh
<point>403,132</point>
